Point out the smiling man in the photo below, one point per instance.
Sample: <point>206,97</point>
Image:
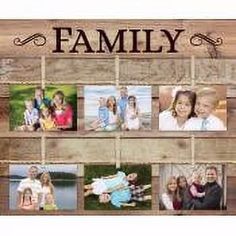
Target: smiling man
<point>213,192</point>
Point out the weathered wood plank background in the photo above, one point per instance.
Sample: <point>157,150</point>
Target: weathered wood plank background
<point>191,65</point>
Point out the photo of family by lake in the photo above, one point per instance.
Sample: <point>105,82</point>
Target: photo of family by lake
<point>201,108</point>
<point>126,188</point>
<point>43,188</point>
<point>35,109</point>
<point>187,187</point>
<point>110,109</point>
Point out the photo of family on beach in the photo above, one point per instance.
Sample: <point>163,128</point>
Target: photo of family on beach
<point>36,109</point>
<point>201,108</point>
<point>110,109</point>
<point>187,187</point>
<point>43,188</point>
<point>126,188</point>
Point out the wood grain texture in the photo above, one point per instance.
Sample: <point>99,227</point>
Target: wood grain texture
<point>20,70</point>
<point>80,71</point>
<point>80,150</point>
<point>11,29</point>
<point>4,188</point>
<point>215,150</point>
<point>25,149</point>
<point>215,71</point>
<point>154,71</point>
<point>155,150</point>
<point>231,193</point>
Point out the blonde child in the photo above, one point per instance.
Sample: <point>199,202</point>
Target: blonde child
<point>206,103</point>
<point>47,187</point>
<point>196,189</point>
<point>46,120</point>
<point>27,200</point>
<point>122,103</point>
<point>31,118</point>
<point>112,111</point>
<point>49,203</point>
<point>103,115</point>
<point>132,115</point>
<point>180,113</point>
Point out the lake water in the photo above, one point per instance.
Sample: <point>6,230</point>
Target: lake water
<point>65,194</point>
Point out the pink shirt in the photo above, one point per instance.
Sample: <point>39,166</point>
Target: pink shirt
<point>63,117</point>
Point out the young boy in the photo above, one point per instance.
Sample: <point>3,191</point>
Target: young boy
<point>122,103</point>
<point>103,115</point>
<point>31,117</point>
<point>206,103</point>
<point>39,99</point>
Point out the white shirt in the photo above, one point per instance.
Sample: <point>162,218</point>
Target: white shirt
<point>213,123</point>
<point>112,118</point>
<point>45,191</point>
<point>169,123</point>
<point>167,201</point>
<point>34,185</point>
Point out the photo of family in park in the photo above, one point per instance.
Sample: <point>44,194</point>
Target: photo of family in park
<point>108,188</point>
<point>43,188</point>
<point>201,108</point>
<point>110,109</point>
<point>36,109</point>
<point>187,187</point>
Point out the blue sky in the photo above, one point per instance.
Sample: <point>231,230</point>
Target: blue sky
<point>23,169</point>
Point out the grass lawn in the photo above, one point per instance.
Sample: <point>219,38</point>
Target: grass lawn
<point>96,171</point>
<point>20,93</point>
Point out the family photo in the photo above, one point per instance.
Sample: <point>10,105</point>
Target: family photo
<point>200,108</point>
<point>35,109</point>
<point>110,109</point>
<point>186,187</point>
<point>108,188</point>
<point>43,188</point>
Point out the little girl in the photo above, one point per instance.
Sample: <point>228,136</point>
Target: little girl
<point>132,115</point>
<point>179,113</point>
<point>112,112</point>
<point>47,187</point>
<point>62,112</point>
<point>26,200</point>
<point>196,189</point>
<point>109,183</point>
<point>49,203</point>
<point>46,120</point>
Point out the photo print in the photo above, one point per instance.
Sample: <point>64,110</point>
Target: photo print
<point>110,109</point>
<point>126,188</point>
<point>201,108</point>
<point>188,187</point>
<point>43,187</point>
<point>35,109</point>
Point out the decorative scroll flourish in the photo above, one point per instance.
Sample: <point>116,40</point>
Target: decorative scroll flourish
<point>38,40</point>
<point>212,44</point>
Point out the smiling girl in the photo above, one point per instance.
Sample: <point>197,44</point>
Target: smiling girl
<point>179,113</point>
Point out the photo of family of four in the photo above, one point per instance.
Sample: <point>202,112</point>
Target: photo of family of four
<point>33,111</point>
<point>131,110</point>
<point>42,189</point>
<point>121,189</point>
<point>183,109</point>
<point>181,193</point>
